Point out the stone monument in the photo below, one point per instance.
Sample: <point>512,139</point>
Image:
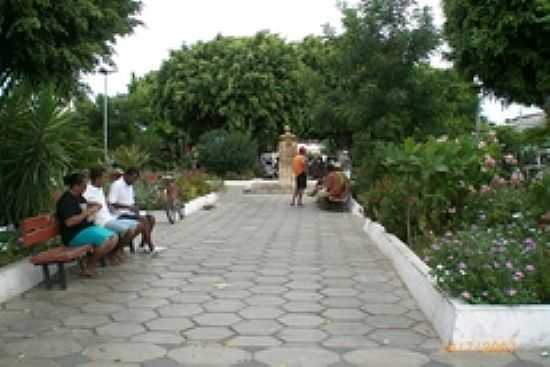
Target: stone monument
<point>288,148</point>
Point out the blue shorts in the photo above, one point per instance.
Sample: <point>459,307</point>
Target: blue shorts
<point>121,225</point>
<point>93,235</point>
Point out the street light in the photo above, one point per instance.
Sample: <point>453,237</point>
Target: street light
<point>477,86</point>
<point>106,72</point>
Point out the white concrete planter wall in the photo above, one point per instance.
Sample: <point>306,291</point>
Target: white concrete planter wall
<point>462,327</point>
<point>18,277</point>
<point>21,276</point>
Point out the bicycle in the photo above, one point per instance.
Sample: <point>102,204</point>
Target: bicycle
<point>174,208</point>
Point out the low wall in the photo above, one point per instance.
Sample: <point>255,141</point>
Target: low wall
<point>462,327</point>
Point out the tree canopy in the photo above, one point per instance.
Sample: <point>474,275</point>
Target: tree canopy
<point>505,44</point>
<point>56,40</point>
<point>245,84</point>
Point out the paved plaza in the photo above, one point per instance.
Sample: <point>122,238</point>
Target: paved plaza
<point>252,282</point>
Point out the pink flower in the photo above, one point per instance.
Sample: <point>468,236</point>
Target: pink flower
<point>518,275</point>
<point>466,295</point>
<point>530,268</point>
<point>511,292</point>
<point>489,162</point>
<point>509,265</point>
<point>485,189</point>
<point>462,266</point>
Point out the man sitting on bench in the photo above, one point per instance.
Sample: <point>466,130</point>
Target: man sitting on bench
<point>127,229</point>
<point>123,203</point>
<point>335,189</point>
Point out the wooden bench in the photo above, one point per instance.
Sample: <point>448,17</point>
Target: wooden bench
<point>39,230</point>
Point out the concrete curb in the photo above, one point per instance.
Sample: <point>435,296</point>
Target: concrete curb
<point>461,327</point>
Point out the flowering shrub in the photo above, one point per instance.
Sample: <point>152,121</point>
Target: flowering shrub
<point>504,264</point>
<point>192,184</point>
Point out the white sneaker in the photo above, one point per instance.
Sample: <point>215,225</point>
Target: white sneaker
<point>157,250</point>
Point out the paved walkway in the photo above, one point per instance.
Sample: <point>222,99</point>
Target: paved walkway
<point>252,282</point>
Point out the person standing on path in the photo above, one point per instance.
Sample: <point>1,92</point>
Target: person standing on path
<point>299,168</point>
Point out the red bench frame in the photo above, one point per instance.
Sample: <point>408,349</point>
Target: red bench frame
<point>41,229</point>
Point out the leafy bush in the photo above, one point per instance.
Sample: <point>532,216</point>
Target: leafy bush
<point>130,156</point>
<point>149,195</point>
<point>39,145</point>
<point>221,152</point>
<point>192,184</point>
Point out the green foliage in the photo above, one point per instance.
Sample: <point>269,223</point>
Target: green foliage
<point>221,152</point>
<point>57,40</point>
<point>130,156</point>
<point>242,84</point>
<point>39,144</point>
<point>505,44</point>
<point>192,184</point>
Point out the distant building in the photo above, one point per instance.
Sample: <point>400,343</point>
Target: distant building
<point>525,122</point>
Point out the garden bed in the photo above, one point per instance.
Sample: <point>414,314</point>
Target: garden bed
<point>462,327</point>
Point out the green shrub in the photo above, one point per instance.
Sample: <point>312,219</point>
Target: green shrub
<point>130,156</point>
<point>39,145</point>
<point>192,184</point>
<point>221,152</point>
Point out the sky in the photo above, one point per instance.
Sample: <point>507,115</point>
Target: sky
<point>170,23</point>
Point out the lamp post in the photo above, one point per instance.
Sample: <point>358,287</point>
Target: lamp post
<point>477,86</point>
<point>106,72</point>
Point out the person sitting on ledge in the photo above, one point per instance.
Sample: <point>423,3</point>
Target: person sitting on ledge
<point>334,191</point>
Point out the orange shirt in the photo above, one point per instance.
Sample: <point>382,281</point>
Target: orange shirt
<point>298,164</point>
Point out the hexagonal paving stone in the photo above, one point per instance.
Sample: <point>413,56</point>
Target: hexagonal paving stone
<point>268,289</point>
<point>116,297</point>
<point>102,308</point>
<point>347,328</point>
<point>148,303</point>
<point>253,341</point>
<point>344,314</point>
<point>303,285</point>
<point>302,296</point>
<point>340,292</point>
<point>256,312</point>
<point>31,325</point>
<point>124,352</point>
<point>120,330</point>
<point>303,357</point>
<point>159,293</point>
<point>265,301</point>
<point>156,337</point>
<point>86,321</point>
<point>191,298</point>
<point>386,356</point>
<point>302,335</point>
<point>384,309</point>
<point>209,333</point>
<point>349,342</point>
<point>303,307</point>
<point>378,298</point>
<point>257,327</point>
<point>397,338</point>
<point>271,280</point>
<point>180,310</point>
<point>108,364</point>
<point>232,294</point>
<point>166,324</point>
<point>137,315</point>
<point>43,348</point>
<point>224,305</point>
<point>390,321</point>
<point>301,320</point>
<point>341,302</point>
<point>213,356</point>
<point>217,319</point>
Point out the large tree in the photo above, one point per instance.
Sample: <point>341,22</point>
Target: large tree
<point>505,44</point>
<point>55,40</point>
<point>384,43</point>
<point>247,84</point>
